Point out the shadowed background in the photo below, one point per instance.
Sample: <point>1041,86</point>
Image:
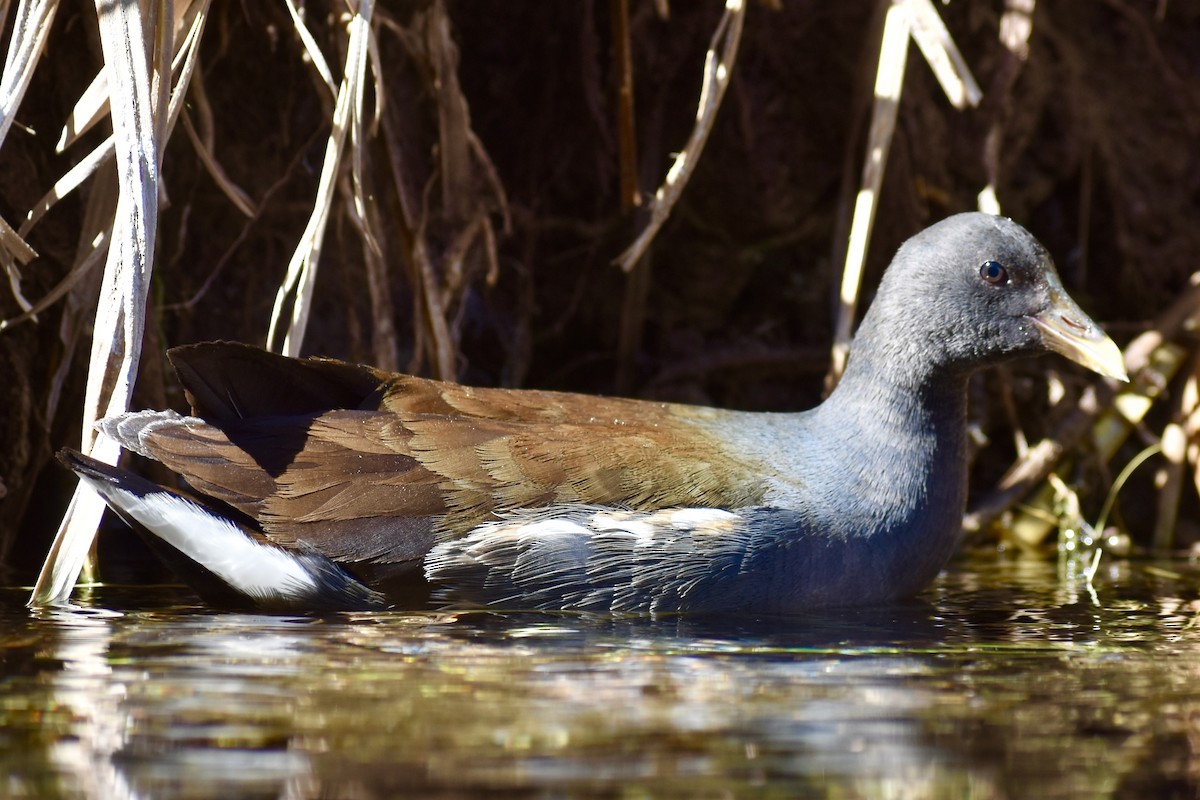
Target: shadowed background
<point>494,166</point>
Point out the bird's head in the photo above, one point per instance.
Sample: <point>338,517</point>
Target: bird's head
<point>975,289</point>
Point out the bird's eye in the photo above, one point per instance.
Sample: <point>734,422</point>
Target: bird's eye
<point>994,273</point>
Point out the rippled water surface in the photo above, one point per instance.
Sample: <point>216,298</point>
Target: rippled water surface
<point>1002,682</point>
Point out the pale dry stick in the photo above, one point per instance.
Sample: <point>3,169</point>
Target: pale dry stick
<point>34,19</point>
<point>77,271</point>
<point>142,122</point>
<point>358,147</point>
<point>33,22</point>
<point>1016,26</point>
<point>90,108</point>
<point>717,71</point>
<point>919,20</point>
<point>15,253</point>
<point>120,318</point>
<point>889,82</point>
<point>95,230</point>
<point>310,47</point>
<point>942,55</point>
<point>71,180</point>
<point>301,274</point>
<point>1174,450</point>
<point>92,105</point>
<point>183,67</point>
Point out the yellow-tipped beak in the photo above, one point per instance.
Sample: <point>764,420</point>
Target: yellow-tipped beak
<point>1067,330</point>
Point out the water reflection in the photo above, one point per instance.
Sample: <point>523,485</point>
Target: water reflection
<point>1002,682</point>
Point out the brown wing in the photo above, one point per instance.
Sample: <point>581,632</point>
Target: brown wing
<point>501,449</point>
<point>427,459</point>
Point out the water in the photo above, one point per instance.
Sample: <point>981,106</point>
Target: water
<point>1001,683</point>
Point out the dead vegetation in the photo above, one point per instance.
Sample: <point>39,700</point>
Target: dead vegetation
<point>448,188</point>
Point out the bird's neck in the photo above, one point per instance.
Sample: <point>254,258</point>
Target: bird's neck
<point>899,408</point>
<point>892,449</point>
<point>896,347</point>
<point>902,377</point>
<point>897,419</point>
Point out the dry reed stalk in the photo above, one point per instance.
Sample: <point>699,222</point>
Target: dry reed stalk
<point>445,226</point>
<point>90,108</point>
<point>942,55</point>
<point>718,67</point>
<point>311,48</point>
<point>889,83</point>
<point>1016,26</point>
<point>905,19</point>
<point>630,192</point>
<point>28,42</point>
<point>117,337</point>
<point>293,301</point>
<point>183,68</point>
<point>143,107</point>
<point>1175,441</point>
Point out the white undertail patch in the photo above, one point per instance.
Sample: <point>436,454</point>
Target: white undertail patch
<point>256,569</point>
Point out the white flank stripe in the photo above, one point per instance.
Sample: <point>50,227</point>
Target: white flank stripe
<point>626,522</point>
<point>688,518</point>
<point>551,527</point>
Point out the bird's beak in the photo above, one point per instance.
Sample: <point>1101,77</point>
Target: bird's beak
<point>1067,330</point>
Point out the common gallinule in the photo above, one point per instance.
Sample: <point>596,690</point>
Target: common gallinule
<point>316,479</point>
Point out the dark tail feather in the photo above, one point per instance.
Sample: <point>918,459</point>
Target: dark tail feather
<point>218,557</point>
<point>228,381</point>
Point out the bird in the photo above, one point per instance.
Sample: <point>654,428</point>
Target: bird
<point>312,484</point>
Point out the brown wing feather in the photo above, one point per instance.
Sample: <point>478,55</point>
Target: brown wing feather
<point>428,459</point>
<point>532,448</point>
